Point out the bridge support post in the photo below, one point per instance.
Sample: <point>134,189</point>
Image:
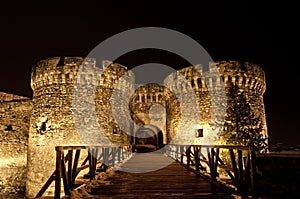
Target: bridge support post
<point>253,173</point>
<point>58,173</point>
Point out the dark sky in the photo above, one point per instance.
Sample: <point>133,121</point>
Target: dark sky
<point>264,34</point>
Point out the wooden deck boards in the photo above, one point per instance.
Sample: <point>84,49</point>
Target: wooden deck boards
<point>172,181</point>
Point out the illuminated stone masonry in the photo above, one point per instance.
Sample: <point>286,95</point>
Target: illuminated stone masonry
<point>48,119</point>
<point>14,129</point>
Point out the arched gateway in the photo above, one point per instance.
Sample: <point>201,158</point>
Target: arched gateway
<point>148,138</point>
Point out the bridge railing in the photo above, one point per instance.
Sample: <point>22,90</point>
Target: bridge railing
<point>94,159</point>
<point>233,167</point>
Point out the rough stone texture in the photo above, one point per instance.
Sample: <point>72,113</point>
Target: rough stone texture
<point>142,104</point>
<point>66,90</point>
<point>212,90</point>
<point>56,88</point>
<point>112,97</point>
<point>14,129</point>
<point>51,122</point>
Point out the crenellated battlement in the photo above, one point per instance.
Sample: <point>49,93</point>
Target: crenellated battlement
<point>235,68</point>
<point>65,71</point>
<point>58,70</point>
<point>246,75</point>
<point>152,93</point>
<point>64,88</point>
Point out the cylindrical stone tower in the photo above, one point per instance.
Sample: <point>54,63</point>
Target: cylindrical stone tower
<point>51,121</point>
<point>213,89</point>
<point>56,83</point>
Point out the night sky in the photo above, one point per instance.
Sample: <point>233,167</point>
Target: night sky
<point>264,34</point>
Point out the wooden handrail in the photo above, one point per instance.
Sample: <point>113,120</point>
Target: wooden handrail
<point>241,170</point>
<point>216,146</point>
<point>67,166</point>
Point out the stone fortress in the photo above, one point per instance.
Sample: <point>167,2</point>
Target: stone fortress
<point>31,128</point>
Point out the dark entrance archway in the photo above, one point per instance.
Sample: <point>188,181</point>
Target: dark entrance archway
<point>148,138</point>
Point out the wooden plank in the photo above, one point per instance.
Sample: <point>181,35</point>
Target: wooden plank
<point>105,157</point>
<point>93,162</point>
<point>123,153</point>
<point>64,175</point>
<point>69,175</point>
<point>85,166</point>
<point>113,156</point>
<point>234,166</point>
<point>95,155</point>
<point>177,152</point>
<point>46,185</point>
<point>85,161</point>
<point>240,171</point>
<point>227,169</point>
<point>100,155</point>
<point>75,165</point>
<point>172,181</point>
<point>70,164</point>
<point>58,173</point>
<point>209,157</point>
<point>91,173</point>
<point>197,160</point>
<point>246,177</point>
<point>212,165</point>
<point>216,162</point>
<point>253,173</point>
<point>108,155</point>
<point>119,154</point>
<point>188,156</point>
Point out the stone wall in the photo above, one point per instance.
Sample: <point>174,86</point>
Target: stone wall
<point>212,89</point>
<point>72,106</point>
<point>51,122</point>
<point>112,97</point>
<point>149,105</point>
<point>14,127</point>
<point>74,96</point>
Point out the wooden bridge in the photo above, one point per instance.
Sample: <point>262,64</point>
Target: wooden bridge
<point>195,171</point>
<point>172,181</point>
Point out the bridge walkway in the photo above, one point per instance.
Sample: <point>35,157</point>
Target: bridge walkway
<point>153,175</point>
